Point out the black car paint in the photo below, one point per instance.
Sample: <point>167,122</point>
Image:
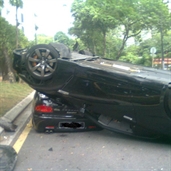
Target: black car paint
<point>110,93</point>
<point>63,118</point>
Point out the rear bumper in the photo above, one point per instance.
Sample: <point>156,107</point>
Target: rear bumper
<point>63,124</point>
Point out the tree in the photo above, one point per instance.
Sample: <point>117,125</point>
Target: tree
<point>113,44</point>
<point>43,39</point>
<point>7,45</point>
<point>17,4</point>
<point>63,38</point>
<point>6,33</point>
<point>132,55</point>
<point>145,46</point>
<point>133,16</point>
<point>89,26</point>
<point>140,53</point>
<point>129,17</point>
<point>1,3</point>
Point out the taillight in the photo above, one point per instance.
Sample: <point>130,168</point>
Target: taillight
<point>49,127</point>
<point>44,109</point>
<point>91,127</point>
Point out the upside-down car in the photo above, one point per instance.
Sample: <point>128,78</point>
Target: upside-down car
<point>117,96</point>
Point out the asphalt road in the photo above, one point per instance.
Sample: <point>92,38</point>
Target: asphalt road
<point>92,151</point>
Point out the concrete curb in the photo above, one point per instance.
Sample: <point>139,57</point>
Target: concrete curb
<point>12,114</point>
<point>15,112</point>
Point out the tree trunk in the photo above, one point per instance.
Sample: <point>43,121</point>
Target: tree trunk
<point>121,49</point>
<point>162,50</point>
<point>94,47</point>
<point>125,38</point>
<point>11,76</point>
<point>104,44</point>
<point>16,27</point>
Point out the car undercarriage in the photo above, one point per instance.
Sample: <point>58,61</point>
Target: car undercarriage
<point>117,96</point>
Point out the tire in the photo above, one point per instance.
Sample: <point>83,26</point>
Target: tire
<point>41,61</point>
<point>36,128</point>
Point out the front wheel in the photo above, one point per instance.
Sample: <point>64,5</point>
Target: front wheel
<point>41,61</point>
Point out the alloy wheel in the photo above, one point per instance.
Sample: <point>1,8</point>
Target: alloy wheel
<point>42,63</point>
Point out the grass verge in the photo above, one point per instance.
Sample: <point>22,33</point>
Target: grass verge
<point>11,94</point>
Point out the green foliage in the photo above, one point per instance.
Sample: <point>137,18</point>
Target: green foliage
<point>146,59</point>
<point>7,44</point>
<point>155,41</point>
<point>63,38</point>
<point>7,36</point>
<point>133,54</point>
<point>94,20</point>
<point>1,3</point>
<point>43,39</point>
<point>16,3</point>
<point>113,44</point>
<point>7,33</point>
<point>89,26</point>
<point>23,40</point>
<point>130,57</point>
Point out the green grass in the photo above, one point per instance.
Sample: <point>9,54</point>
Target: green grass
<point>11,94</point>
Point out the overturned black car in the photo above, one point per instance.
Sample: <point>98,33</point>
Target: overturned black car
<point>121,97</point>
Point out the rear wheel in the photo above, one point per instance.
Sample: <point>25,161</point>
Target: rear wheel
<point>37,128</point>
<point>41,61</point>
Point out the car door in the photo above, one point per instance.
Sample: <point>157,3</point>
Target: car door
<point>106,97</point>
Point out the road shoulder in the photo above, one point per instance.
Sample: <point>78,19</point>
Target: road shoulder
<point>18,115</point>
